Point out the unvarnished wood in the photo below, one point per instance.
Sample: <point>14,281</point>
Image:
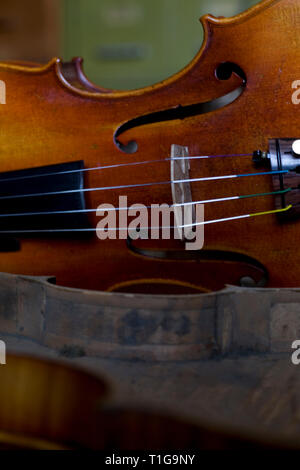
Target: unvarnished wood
<point>150,349</point>
<point>47,120</point>
<point>156,329</point>
<point>52,405</point>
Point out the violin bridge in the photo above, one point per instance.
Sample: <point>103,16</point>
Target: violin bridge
<point>184,213</point>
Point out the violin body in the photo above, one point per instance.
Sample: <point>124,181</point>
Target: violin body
<point>52,117</point>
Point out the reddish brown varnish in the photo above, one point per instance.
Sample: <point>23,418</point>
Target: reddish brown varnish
<point>48,120</point>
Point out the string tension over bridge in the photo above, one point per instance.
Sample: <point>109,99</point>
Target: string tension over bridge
<point>283,158</point>
<point>184,210</point>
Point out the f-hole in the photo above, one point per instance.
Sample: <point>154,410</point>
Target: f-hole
<point>222,72</point>
<point>226,69</point>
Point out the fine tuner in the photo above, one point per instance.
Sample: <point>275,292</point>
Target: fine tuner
<point>287,151</point>
<point>283,159</point>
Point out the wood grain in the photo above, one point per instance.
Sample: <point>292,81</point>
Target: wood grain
<point>48,120</point>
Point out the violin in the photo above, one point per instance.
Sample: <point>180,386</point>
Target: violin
<point>221,138</point>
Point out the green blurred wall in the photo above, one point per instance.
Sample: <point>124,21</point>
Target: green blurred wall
<point>133,43</point>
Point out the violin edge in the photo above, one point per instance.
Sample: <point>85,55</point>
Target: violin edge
<point>241,17</point>
<point>94,91</point>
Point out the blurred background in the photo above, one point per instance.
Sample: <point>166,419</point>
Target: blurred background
<point>125,44</point>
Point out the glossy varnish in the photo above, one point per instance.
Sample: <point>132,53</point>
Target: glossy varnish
<point>49,120</point>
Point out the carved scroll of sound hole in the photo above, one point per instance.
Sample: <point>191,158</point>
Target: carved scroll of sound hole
<point>223,72</point>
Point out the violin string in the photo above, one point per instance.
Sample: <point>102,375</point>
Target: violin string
<point>196,224</point>
<point>119,165</point>
<point>110,209</point>
<point>142,185</point>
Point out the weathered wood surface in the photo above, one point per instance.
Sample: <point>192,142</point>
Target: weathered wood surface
<point>127,326</point>
<point>240,395</point>
<point>49,404</point>
<point>222,360</point>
